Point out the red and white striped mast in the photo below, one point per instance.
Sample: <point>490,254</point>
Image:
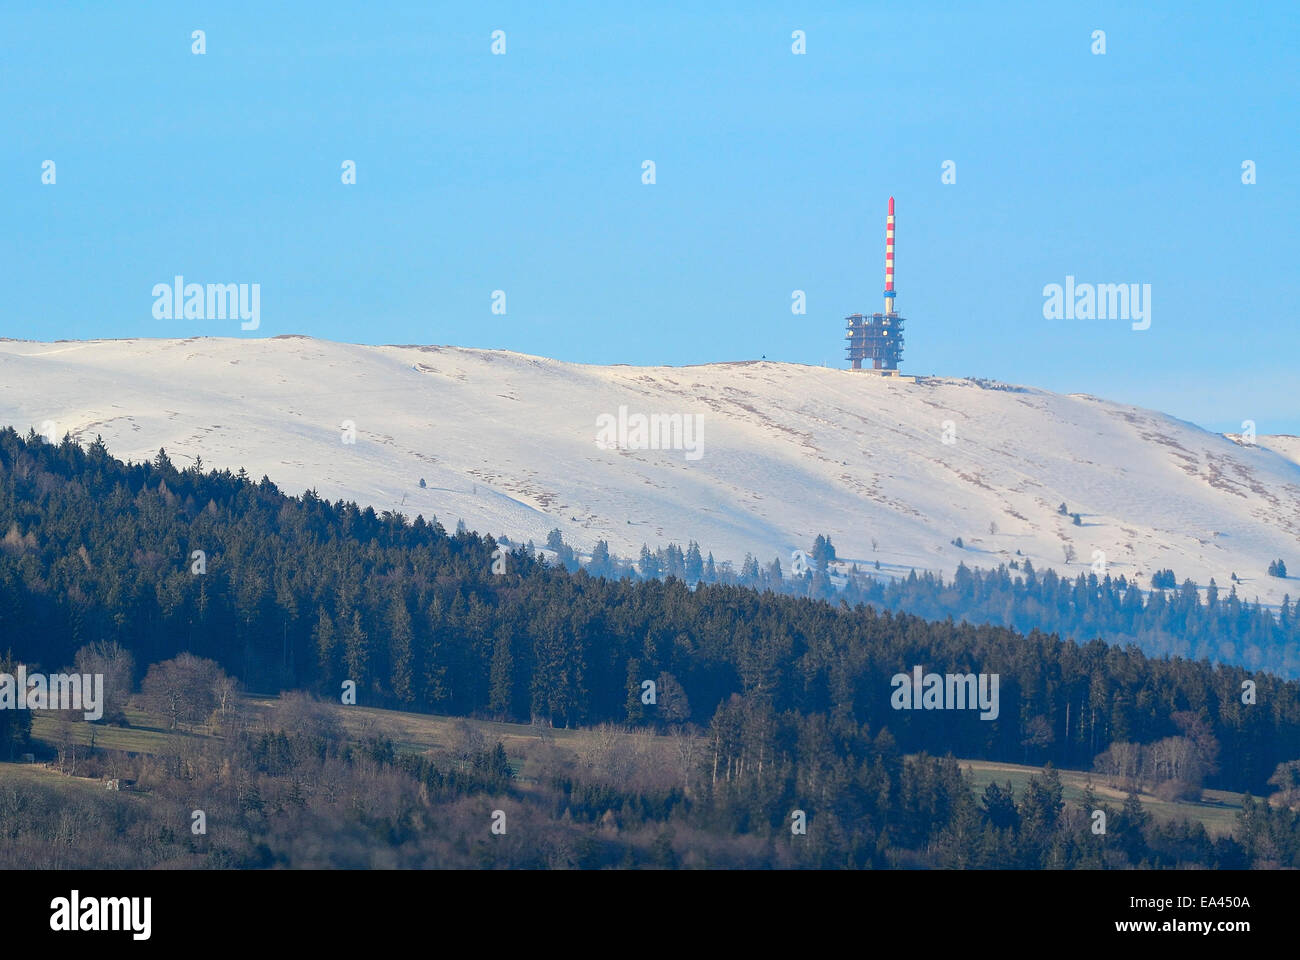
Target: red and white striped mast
<point>889,259</point>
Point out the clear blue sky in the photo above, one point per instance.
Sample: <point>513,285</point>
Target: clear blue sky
<point>522,172</point>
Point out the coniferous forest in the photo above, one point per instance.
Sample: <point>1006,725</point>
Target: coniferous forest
<point>787,699</point>
<point>1183,619</point>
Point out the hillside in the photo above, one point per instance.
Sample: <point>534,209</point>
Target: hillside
<point>536,751</point>
<point>507,443</point>
<point>293,593</point>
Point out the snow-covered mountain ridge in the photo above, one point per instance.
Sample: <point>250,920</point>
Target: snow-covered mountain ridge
<point>892,471</point>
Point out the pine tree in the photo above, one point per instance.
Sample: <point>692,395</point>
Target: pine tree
<point>356,651</point>
<point>1130,829</point>
<point>15,725</point>
<point>1000,806</point>
<point>400,640</point>
<point>601,564</point>
<point>774,573</point>
<point>437,691</point>
<point>633,707</point>
<point>820,553</point>
<point>694,562</point>
<point>326,647</point>
<point>500,766</point>
<point>502,694</point>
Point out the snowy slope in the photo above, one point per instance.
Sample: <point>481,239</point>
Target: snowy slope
<point>508,443</point>
<point>1283,444</point>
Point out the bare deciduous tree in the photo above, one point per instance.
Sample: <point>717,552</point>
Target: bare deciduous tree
<point>115,663</point>
<point>181,690</point>
<point>673,705</point>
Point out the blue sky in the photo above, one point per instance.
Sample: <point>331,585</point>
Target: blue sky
<point>522,173</point>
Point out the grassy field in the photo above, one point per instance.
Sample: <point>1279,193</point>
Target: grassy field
<point>418,732</point>
<point>27,773</point>
<point>146,734</point>
<point>1216,810</point>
